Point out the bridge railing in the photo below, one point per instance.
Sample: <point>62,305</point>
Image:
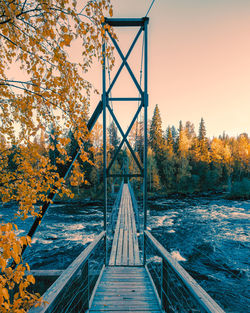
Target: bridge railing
<point>138,219</point>
<point>72,291</point>
<point>135,206</point>
<point>177,290</point>
<point>114,212</point>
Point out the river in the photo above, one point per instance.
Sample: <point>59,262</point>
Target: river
<point>209,237</point>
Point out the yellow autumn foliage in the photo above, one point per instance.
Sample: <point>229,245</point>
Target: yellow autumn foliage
<point>40,86</point>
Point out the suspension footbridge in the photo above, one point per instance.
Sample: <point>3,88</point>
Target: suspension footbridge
<point>125,281</point>
<point>125,269</point>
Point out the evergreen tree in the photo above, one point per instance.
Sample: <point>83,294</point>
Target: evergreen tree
<point>163,151</point>
<point>153,176</point>
<point>139,140</point>
<point>157,143</point>
<point>180,126</point>
<point>203,142</point>
<point>224,137</point>
<point>202,130</point>
<point>201,164</point>
<point>156,135</point>
<point>174,133</point>
<point>170,162</point>
<point>169,138</point>
<point>180,131</point>
<point>183,167</point>
<point>114,140</point>
<point>97,172</point>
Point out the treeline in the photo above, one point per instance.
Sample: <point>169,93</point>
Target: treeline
<point>185,162</point>
<point>48,155</point>
<point>179,160</point>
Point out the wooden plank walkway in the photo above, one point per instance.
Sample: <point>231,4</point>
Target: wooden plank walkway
<point>125,289</point>
<point>125,248</point>
<point>125,286</point>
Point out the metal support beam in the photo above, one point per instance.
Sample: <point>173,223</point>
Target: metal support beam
<point>126,64</point>
<point>145,152</point>
<point>124,175</point>
<point>95,115</point>
<point>143,104</point>
<point>124,61</point>
<point>127,22</point>
<point>124,139</point>
<point>124,99</point>
<point>104,102</point>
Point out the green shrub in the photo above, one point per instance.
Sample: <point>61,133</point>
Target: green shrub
<point>240,189</point>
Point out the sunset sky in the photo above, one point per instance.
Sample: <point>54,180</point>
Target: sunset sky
<point>199,62</point>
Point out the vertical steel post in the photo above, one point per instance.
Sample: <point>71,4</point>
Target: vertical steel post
<point>145,152</point>
<point>104,102</point>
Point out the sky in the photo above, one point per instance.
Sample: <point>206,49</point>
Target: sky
<point>199,62</point>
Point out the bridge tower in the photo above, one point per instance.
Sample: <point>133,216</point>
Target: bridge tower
<point>142,25</point>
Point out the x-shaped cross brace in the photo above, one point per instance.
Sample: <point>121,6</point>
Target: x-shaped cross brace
<point>124,136</point>
<point>124,62</point>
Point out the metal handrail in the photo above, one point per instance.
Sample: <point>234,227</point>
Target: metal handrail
<point>54,292</point>
<point>197,292</point>
<point>115,207</point>
<point>135,206</point>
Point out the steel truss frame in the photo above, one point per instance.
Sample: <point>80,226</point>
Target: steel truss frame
<point>142,23</point>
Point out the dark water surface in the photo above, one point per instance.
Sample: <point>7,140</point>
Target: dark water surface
<point>210,238</point>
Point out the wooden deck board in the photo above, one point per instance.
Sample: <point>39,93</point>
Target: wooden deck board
<point>125,247</point>
<point>134,236</point>
<point>119,248</point>
<point>120,291</point>
<point>115,240</point>
<point>130,242</point>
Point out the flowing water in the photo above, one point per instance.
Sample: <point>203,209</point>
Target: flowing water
<point>210,238</point>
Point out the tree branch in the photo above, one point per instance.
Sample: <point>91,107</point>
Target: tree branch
<point>36,94</point>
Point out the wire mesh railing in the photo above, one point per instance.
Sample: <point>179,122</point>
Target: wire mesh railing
<point>177,290</point>
<point>112,219</point>
<point>139,217</point>
<point>115,208</point>
<point>135,207</point>
<point>71,292</point>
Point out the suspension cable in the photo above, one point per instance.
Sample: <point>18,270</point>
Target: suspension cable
<point>152,3</point>
<point>111,103</point>
<point>109,77</point>
<point>142,58</point>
